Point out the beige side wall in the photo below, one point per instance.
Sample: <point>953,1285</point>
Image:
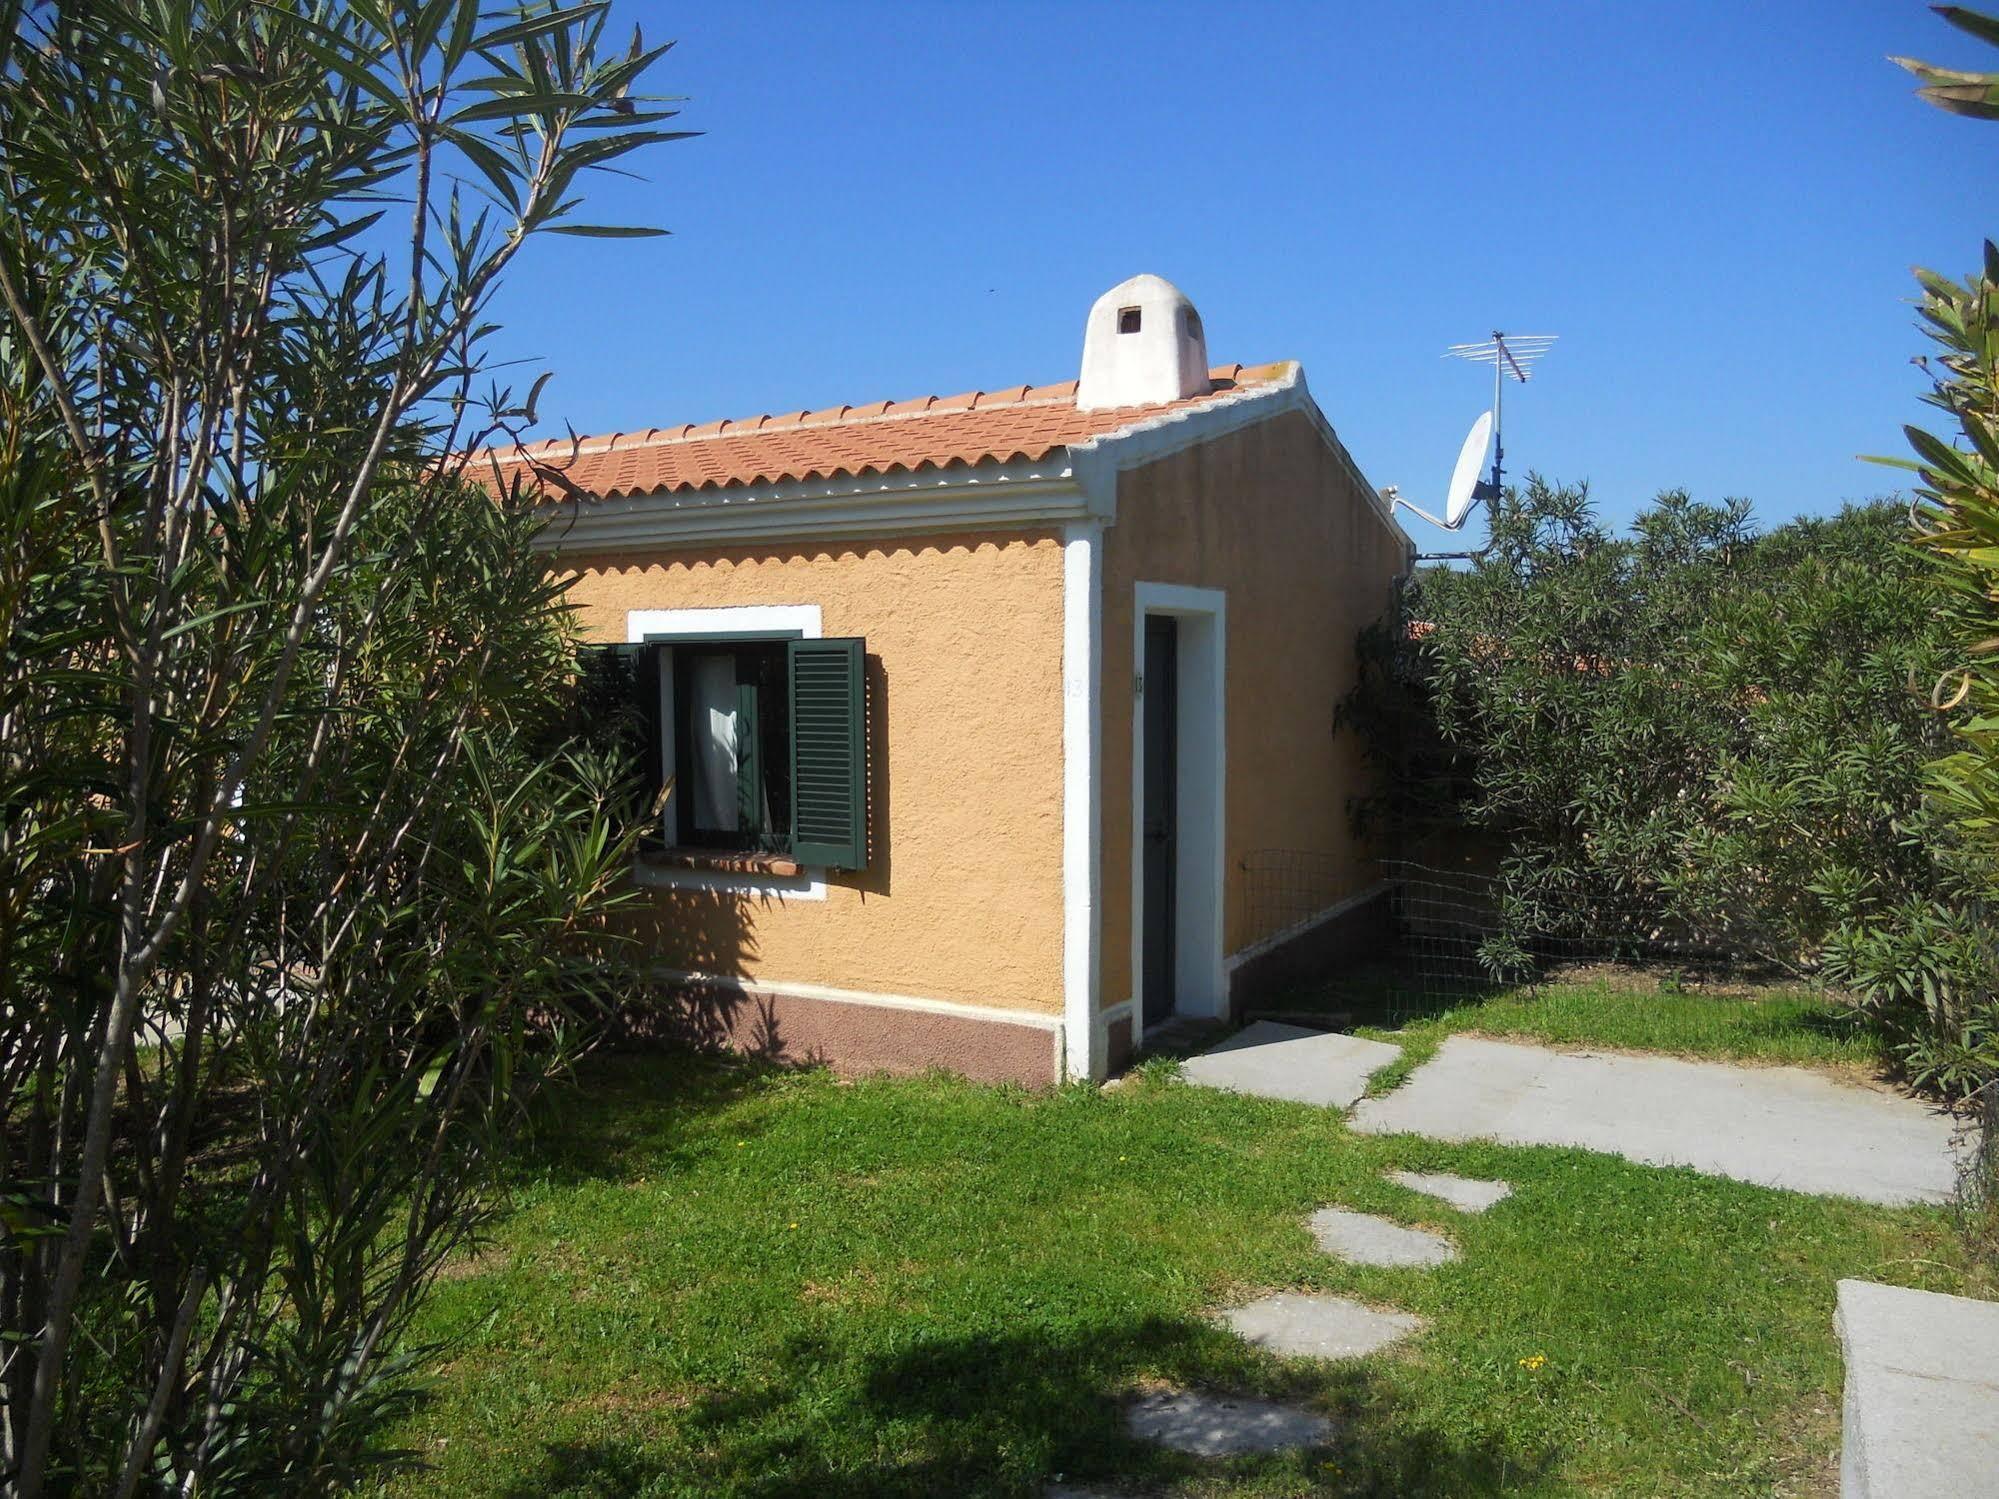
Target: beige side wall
<point>1272,517</point>
<point>963,897</point>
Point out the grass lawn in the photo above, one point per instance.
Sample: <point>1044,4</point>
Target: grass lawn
<point>1773,1025</point>
<point>716,1278</point>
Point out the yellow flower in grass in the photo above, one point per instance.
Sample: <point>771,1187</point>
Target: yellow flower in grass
<point>1533,1361</point>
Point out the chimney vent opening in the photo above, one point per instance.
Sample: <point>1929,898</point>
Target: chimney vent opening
<point>1129,319</point>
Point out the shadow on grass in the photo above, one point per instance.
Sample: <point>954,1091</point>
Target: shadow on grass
<point>1383,994</point>
<point>1847,1024</point>
<point>625,1110</point>
<point>1004,1414</point>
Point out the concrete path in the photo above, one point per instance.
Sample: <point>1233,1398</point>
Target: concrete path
<point>1464,1193</point>
<point>1922,1394</point>
<point>1775,1126</point>
<point>1301,1325</point>
<point>1212,1426</point>
<point>1363,1239</point>
<point>1291,1062</point>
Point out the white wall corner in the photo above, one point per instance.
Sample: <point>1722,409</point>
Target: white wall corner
<point>1082,872</point>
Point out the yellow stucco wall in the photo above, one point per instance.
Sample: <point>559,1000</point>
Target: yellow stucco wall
<point>1272,517</point>
<point>963,896</point>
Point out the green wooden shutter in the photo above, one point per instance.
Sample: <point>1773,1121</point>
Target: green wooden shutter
<point>829,752</point>
<point>749,766</point>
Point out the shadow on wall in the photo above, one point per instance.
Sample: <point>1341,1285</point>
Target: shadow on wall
<point>874,880</point>
<point>691,930</point>
<point>999,1414</point>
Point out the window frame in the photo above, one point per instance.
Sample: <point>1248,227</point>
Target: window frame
<point>673,753</point>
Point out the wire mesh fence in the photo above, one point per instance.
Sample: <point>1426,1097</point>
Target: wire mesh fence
<point>1977,1202</point>
<point>1455,937</point>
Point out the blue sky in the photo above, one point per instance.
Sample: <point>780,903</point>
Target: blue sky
<point>1716,205</point>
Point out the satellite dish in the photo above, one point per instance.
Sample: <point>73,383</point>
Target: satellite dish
<point>1511,357</point>
<point>1463,493</point>
<point>1466,490</point>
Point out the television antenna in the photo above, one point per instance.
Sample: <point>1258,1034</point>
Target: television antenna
<point>1512,357</point>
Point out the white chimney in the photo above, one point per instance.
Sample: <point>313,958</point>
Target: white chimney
<point>1143,346</point>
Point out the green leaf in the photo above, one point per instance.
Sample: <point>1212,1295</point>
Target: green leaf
<point>1973,22</point>
<point>186,626</point>
<point>520,106</point>
<point>534,26</point>
<point>493,164</point>
<point>606,231</point>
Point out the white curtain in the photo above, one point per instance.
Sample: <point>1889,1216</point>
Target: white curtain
<point>714,759</point>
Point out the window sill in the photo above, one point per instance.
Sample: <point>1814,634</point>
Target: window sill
<point>722,861</point>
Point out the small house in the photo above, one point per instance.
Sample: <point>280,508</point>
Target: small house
<point>979,716</point>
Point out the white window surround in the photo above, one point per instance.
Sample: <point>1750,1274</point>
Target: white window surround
<point>801,620</point>
<point>738,619</point>
<point>1200,971</point>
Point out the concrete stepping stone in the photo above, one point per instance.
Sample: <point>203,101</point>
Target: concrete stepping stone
<point>1363,1239</point>
<point>1291,1062</point>
<point>1922,1394</point>
<point>1773,1126</point>
<point>1218,1426</point>
<point>1303,1325</point>
<point>1466,1194</point>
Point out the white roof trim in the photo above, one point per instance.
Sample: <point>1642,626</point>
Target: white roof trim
<point>1075,483</point>
<point>987,496</point>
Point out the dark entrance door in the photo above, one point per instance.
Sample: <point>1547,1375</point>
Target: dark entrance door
<point>1161,675</point>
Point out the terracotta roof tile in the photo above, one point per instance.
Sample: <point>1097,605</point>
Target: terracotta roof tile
<point>1019,422</point>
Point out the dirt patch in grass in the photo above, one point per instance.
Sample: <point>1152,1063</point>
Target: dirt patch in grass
<point>483,1259</point>
<point>628,1400</point>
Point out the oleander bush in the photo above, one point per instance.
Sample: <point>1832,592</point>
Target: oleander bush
<point>1957,527</point>
<point>303,890</point>
<point>1689,736</point>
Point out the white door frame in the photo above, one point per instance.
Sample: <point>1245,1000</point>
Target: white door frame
<point>1200,979</point>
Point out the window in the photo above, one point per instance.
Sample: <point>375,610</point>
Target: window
<point>763,739</point>
<point>730,741</point>
<point>1129,319</point>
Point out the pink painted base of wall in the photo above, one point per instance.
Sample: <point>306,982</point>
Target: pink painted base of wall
<point>851,1037</point>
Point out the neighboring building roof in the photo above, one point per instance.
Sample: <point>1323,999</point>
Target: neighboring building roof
<point>1021,422</point>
